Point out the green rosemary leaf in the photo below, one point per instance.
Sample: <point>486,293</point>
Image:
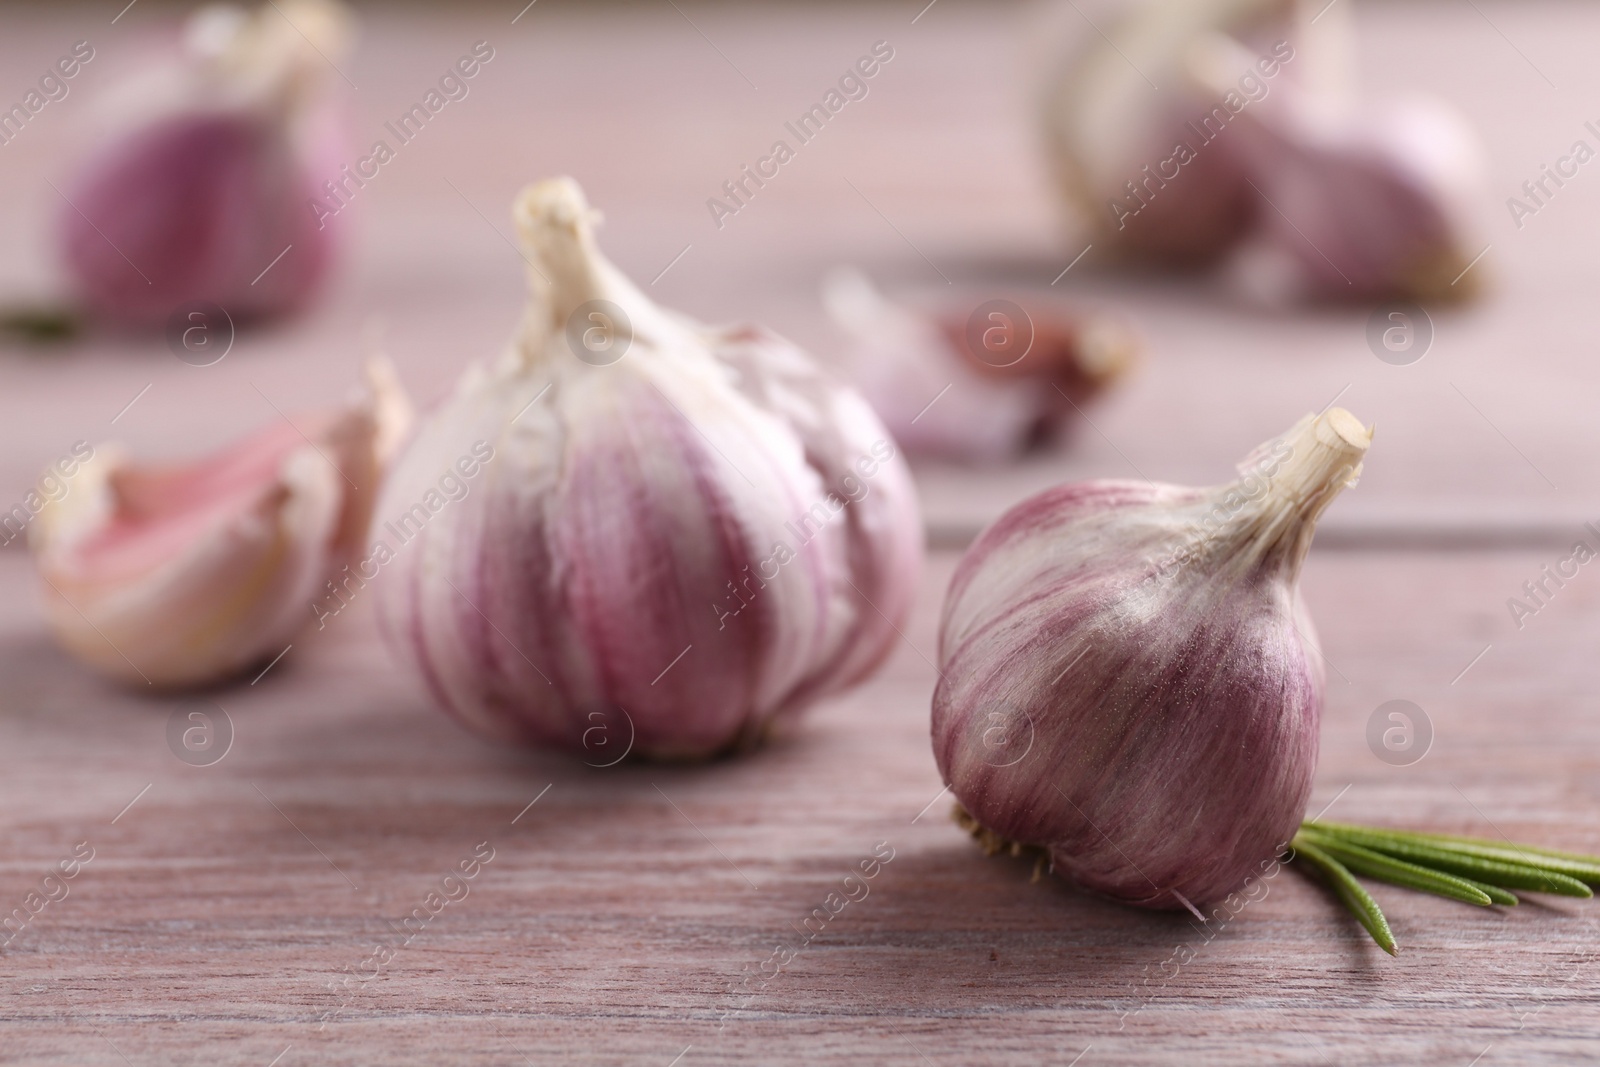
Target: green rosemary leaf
<point>1496,894</point>
<point>1572,864</point>
<point>1349,892</point>
<point>1511,866</point>
<point>1364,860</point>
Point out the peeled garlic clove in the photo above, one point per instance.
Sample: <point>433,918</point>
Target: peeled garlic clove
<point>1128,675</point>
<point>185,574</point>
<point>676,539</point>
<point>941,400</point>
<point>206,171</point>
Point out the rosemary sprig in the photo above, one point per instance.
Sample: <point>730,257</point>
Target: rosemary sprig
<point>1470,869</point>
<point>1396,872</point>
<point>1573,865</point>
<point>1349,891</point>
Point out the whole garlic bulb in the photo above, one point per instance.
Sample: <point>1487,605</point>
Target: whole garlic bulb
<point>1128,675</point>
<point>180,575</point>
<point>684,532</point>
<point>1115,107</point>
<point>200,187</point>
<point>1203,132</point>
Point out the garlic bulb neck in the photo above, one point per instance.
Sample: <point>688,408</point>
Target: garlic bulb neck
<point>566,270</point>
<point>1310,465</point>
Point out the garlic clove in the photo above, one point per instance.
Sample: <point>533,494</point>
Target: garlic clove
<point>200,186</point>
<point>942,401</point>
<point>1375,212</point>
<point>1128,676</point>
<point>677,536</point>
<point>179,575</point>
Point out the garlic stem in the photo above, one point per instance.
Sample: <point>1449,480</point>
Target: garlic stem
<point>566,269</point>
<point>1324,455</point>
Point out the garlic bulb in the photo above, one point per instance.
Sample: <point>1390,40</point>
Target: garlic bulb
<point>1378,207</point>
<point>200,187</point>
<point>1256,152</point>
<point>684,532</point>
<point>942,399</point>
<point>185,574</point>
<point>1119,118</point>
<point>1128,675</point>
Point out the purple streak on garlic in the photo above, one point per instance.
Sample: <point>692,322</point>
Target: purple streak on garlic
<point>179,575</point>
<point>204,175</point>
<point>704,535</point>
<point>1129,678</point>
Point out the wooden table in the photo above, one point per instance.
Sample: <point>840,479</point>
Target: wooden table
<point>626,913</point>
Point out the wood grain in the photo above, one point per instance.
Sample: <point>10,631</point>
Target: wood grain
<point>625,916</point>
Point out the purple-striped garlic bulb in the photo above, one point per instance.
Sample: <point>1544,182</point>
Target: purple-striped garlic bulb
<point>201,186</point>
<point>1258,153</point>
<point>1129,679</point>
<point>673,535</point>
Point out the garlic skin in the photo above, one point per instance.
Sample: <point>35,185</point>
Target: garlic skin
<point>203,172</point>
<point>1129,679</point>
<point>1381,207</point>
<point>1299,189</point>
<point>183,575</point>
<point>1104,123</point>
<point>941,402</point>
<point>682,545</point>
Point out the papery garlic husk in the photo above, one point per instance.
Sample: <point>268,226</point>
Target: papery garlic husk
<point>185,574</point>
<point>662,547</point>
<point>1128,676</point>
<point>941,401</point>
<point>205,171</point>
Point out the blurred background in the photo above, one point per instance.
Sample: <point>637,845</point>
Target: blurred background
<point>938,184</point>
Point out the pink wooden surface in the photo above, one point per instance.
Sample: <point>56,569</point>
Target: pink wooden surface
<point>623,913</point>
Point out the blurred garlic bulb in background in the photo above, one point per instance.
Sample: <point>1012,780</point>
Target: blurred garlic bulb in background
<point>978,388</point>
<point>203,175</point>
<point>1382,207</point>
<point>680,533</point>
<point>183,574</point>
<point>1228,132</point>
